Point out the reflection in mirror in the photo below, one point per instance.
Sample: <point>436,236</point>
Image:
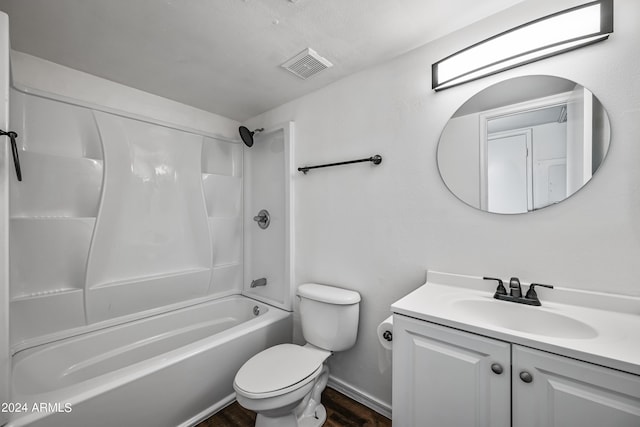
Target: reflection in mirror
<point>523,144</point>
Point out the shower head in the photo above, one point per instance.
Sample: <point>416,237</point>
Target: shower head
<point>247,135</point>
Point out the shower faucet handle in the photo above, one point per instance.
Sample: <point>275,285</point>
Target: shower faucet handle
<point>263,219</point>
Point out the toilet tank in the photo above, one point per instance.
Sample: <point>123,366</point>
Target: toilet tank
<point>329,316</point>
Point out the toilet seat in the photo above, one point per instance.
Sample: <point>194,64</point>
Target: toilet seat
<point>279,370</point>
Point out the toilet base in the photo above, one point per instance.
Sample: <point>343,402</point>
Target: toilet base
<point>314,420</point>
<point>312,413</point>
<point>284,421</point>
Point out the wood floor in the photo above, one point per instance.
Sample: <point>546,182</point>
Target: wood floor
<point>341,412</point>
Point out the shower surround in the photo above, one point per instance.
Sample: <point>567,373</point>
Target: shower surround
<point>124,223</point>
<point>116,217</point>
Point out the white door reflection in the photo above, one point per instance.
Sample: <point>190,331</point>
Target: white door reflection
<point>541,156</point>
<point>523,144</point>
<point>509,171</point>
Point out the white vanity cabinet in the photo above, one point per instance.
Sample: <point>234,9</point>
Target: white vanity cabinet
<point>447,377</point>
<point>443,377</point>
<point>565,392</point>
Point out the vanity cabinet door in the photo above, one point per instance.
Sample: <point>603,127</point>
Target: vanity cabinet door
<point>446,377</point>
<point>564,392</point>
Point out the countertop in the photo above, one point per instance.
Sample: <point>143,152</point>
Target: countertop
<point>613,341</point>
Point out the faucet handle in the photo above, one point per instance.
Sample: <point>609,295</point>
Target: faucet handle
<point>500,290</point>
<point>531,293</point>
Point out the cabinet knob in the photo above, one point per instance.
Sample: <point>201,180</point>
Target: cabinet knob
<point>496,368</point>
<point>526,377</point>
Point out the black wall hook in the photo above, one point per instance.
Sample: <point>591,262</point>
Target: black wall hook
<point>14,150</point>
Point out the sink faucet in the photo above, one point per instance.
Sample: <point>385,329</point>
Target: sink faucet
<point>515,291</point>
<point>514,288</point>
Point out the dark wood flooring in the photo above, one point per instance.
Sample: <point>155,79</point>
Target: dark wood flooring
<point>341,412</point>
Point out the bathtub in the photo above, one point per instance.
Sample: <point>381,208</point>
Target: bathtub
<point>173,369</point>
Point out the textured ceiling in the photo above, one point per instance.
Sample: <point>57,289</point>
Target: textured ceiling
<point>224,56</point>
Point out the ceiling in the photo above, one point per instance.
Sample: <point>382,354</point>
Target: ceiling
<point>224,56</point>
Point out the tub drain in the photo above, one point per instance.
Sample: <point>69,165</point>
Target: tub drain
<point>256,310</point>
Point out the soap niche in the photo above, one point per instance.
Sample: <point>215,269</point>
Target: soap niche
<point>53,207</point>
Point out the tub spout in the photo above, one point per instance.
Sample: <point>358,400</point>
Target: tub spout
<point>259,282</point>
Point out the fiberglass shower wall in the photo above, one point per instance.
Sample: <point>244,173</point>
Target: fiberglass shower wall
<point>268,253</point>
<point>116,218</point>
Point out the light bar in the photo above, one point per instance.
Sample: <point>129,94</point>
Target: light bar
<point>539,39</point>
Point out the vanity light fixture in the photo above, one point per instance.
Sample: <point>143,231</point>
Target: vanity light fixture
<point>554,34</point>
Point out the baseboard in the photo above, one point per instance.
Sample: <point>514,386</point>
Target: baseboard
<point>348,390</point>
<point>218,406</point>
<point>360,396</point>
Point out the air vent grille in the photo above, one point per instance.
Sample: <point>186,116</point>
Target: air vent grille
<point>306,64</point>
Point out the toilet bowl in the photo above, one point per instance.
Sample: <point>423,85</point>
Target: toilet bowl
<point>283,384</point>
<point>278,383</point>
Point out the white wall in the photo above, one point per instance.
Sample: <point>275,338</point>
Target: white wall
<point>376,229</point>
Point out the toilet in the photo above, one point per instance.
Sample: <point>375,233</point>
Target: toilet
<point>283,384</point>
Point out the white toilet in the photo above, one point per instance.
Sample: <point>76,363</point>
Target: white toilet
<point>282,384</point>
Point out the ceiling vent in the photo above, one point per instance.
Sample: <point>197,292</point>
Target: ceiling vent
<point>306,64</point>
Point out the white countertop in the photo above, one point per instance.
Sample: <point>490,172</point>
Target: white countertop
<point>612,322</point>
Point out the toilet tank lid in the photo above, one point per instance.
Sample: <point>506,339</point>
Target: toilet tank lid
<point>328,294</point>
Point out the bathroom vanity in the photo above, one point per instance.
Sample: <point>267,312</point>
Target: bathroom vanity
<point>463,358</point>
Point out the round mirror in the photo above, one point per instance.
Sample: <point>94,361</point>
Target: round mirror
<point>523,144</point>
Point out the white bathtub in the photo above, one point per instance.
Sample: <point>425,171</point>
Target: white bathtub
<point>170,370</point>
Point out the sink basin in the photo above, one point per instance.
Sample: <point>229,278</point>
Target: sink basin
<point>518,317</point>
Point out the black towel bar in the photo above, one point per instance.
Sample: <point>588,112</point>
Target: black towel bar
<point>376,160</point>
